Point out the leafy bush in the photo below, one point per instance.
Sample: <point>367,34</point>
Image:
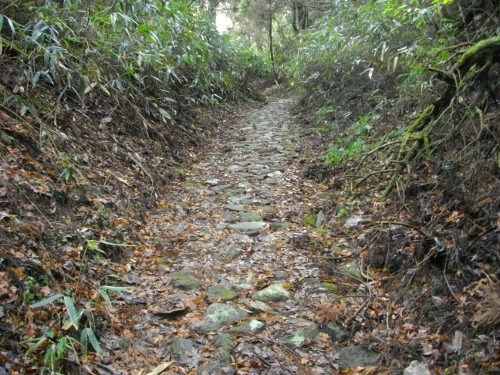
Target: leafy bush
<point>152,53</point>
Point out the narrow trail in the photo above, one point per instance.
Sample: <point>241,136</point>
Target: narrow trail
<point>227,281</point>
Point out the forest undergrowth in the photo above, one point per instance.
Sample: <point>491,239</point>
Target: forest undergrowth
<point>409,155</point>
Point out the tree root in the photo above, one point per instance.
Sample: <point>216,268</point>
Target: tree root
<point>478,59</point>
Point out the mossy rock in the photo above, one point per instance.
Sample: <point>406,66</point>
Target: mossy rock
<point>185,281</point>
<point>218,292</point>
<point>309,219</point>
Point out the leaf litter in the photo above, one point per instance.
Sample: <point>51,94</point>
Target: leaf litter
<point>238,219</point>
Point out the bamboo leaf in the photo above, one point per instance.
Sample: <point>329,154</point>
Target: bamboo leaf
<point>37,345</point>
<point>46,301</point>
<point>93,340</point>
<point>70,307</point>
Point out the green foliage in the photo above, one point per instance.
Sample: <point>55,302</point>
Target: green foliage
<point>152,52</point>
<point>353,143</point>
<point>55,345</point>
<point>70,172</point>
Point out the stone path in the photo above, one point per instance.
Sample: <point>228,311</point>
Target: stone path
<point>227,281</point>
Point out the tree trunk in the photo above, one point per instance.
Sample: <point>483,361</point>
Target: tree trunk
<point>300,16</point>
<point>270,36</point>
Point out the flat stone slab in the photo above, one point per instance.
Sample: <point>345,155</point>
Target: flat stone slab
<point>275,293</point>
<point>250,216</point>
<point>249,227</point>
<point>234,168</point>
<point>235,207</point>
<point>228,217</point>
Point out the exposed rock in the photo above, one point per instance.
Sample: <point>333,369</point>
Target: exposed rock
<point>352,269</point>
<point>274,293</point>
<point>416,368</point>
<point>233,251</point>
<point>234,168</point>
<point>185,281</point>
<point>228,217</point>
<point>249,227</point>
<point>219,292</point>
<point>181,348</point>
<point>178,228</point>
<point>354,356</point>
<point>259,306</point>
<point>251,216</point>
<point>218,315</point>
<point>336,333</point>
<point>235,207</point>
<point>253,326</point>
<point>300,336</point>
<point>279,274</point>
<point>320,219</point>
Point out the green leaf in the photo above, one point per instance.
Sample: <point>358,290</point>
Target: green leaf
<point>70,307</point>
<point>50,356</point>
<point>93,340</point>
<point>61,346</point>
<point>46,301</point>
<point>83,343</point>
<point>106,298</point>
<point>104,289</point>
<point>37,345</point>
